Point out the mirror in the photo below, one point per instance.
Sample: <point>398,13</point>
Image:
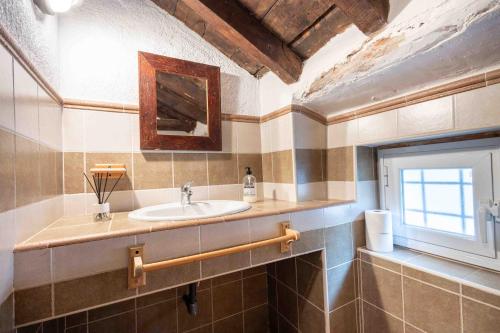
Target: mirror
<point>179,104</point>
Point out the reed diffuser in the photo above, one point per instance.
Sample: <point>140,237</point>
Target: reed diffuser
<point>101,175</point>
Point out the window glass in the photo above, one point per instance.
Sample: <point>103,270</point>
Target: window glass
<point>440,199</point>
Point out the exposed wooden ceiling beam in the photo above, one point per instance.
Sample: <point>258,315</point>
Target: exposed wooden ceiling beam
<point>240,28</point>
<point>368,15</point>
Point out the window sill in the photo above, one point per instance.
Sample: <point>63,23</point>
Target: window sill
<point>470,281</point>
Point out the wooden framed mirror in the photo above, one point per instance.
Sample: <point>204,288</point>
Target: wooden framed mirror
<point>179,104</point>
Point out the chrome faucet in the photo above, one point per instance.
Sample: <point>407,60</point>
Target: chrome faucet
<point>186,193</point>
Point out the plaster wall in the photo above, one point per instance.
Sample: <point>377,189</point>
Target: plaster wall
<point>35,33</point>
<point>99,41</point>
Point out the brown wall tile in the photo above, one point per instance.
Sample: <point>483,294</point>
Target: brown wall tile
<point>7,315</point>
<point>310,283</point>
<point>393,266</point>
<point>161,317</point>
<point>190,167</point>
<point>28,180</point>
<point>7,179</point>
<point>309,165</point>
<point>432,279</point>
<point>382,288</point>
<point>73,173</point>
<point>222,169</point>
<point>123,323</point>
<point>430,308</point>
<point>111,310</point>
<point>226,278</point>
<point>254,291</point>
<point>358,234</point>
<point>366,159</point>
<point>267,167</point>
<point>89,291</point>
<point>344,319</point>
<point>283,167</point>
<point>125,183</point>
<point>33,304</point>
<point>341,287</point>
<point>311,319</point>
<point>256,320</point>
<point>338,242</point>
<point>286,272</point>
<point>479,317</point>
<point>204,317</point>
<point>309,241</point>
<point>254,161</point>
<point>481,295</point>
<point>233,324</point>
<point>227,299</point>
<point>376,320</point>
<point>340,164</point>
<point>152,170</point>
<point>287,304</point>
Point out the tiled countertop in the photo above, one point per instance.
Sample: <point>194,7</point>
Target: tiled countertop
<point>74,230</point>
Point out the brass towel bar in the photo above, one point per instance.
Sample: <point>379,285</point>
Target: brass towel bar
<point>137,268</point>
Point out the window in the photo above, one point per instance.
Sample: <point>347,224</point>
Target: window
<point>440,196</point>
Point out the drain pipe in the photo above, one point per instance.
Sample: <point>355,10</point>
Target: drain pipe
<point>190,300</point>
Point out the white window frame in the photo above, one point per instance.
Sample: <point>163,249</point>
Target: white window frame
<point>491,232</point>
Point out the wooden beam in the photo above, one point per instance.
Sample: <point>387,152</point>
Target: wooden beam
<point>240,28</point>
<point>368,15</point>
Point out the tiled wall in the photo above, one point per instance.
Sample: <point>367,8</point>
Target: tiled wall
<point>30,166</point>
<point>152,177</point>
<point>408,291</point>
<point>236,302</point>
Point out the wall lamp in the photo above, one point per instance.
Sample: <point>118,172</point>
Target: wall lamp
<point>52,7</point>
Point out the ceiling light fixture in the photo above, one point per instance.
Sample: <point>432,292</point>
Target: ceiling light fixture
<point>53,7</point>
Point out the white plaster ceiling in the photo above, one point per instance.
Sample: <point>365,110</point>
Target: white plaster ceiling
<point>426,42</point>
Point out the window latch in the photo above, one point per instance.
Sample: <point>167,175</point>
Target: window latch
<point>494,208</point>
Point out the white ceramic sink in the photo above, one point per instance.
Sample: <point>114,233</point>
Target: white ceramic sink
<point>197,210</point>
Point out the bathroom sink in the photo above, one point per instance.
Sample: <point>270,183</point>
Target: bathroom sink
<point>196,210</point>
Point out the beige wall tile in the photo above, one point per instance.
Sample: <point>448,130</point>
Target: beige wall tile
<point>152,170</point>
<point>222,169</point>
<point>229,137</point>
<point>73,130</point>
<point>307,220</point>
<point>279,191</point>
<point>478,317</point>
<point>32,269</point>
<point>248,138</point>
<point>378,127</point>
<point>283,167</point>
<point>382,288</point>
<point>342,134</point>
<point>226,192</point>
<point>221,265</point>
<point>26,103</point>
<point>366,163</point>
<point>310,165</point>
<point>73,173</point>
<point>341,190</point>
<point>171,276</point>
<point>430,308</point>
<point>254,161</point>
<point>308,133</point>
<point>427,117</point>
<point>341,287</point>
<point>7,179</point>
<point>478,108</point>
<point>79,260</point>
<point>267,167</point>
<point>375,320</point>
<point>338,242</point>
<point>90,291</point>
<point>25,312</point>
<point>340,164</point>
<point>432,279</point>
<point>311,240</point>
<point>181,242</point>
<point>190,167</point>
<point>282,133</point>
<point>220,235</point>
<point>6,90</point>
<point>50,114</point>
<point>91,159</point>
<point>108,131</point>
<point>312,191</point>
<point>263,228</point>
<point>28,188</point>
